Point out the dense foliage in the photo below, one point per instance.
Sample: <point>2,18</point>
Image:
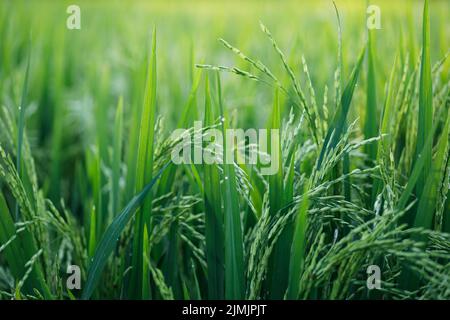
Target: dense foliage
<point>86,176</point>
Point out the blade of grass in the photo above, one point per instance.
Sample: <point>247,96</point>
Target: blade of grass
<point>425,103</point>
<point>21,125</point>
<point>144,170</point>
<point>234,251</point>
<point>278,277</point>
<point>370,123</point>
<point>214,232</point>
<point>92,233</point>
<point>298,249</point>
<point>338,123</point>
<point>417,170</point>
<point>189,109</point>
<point>117,155</point>
<point>111,236</point>
<point>385,126</point>
<point>427,203</point>
<point>19,251</point>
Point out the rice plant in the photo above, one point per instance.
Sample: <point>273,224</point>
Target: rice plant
<point>87,176</point>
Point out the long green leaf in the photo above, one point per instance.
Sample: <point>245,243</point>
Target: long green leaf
<point>18,246</point>
<point>144,170</point>
<point>214,233</point>
<point>298,249</point>
<point>370,123</point>
<point>425,103</point>
<point>111,236</point>
<point>117,156</point>
<point>427,203</point>
<point>21,125</point>
<point>279,260</point>
<point>338,123</point>
<point>234,250</point>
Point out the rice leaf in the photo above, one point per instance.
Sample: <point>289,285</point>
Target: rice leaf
<point>425,121</point>
<point>338,123</point>
<point>21,125</point>
<point>214,224</point>
<point>435,180</point>
<point>109,240</point>
<point>234,251</point>
<point>117,156</point>
<point>144,171</point>
<point>371,123</point>
<point>298,249</point>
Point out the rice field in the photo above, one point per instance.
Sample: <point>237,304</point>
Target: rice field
<point>350,97</point>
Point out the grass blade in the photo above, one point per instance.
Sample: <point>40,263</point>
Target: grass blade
<point>111,236</point>
<point>298,249</point>
<point>214,232</point>
<point>21,125</point>
<point>370,123</point>
<point>234,251</point>
<point>338,123</point>
<point>435,180</point>
<point>425,103</point>
<point>144,170</point>
<point>117,156</point>
<point>278,279</point>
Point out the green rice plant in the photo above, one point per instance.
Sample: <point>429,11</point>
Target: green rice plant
<point>140,273</point>
<point>370,123</point>
<point>435,181</point>
<point>18,238</point>
<point>382,152</point>
<point>109,239</point>
<point>277,200</point>
<point>234,251</point>
<point>214,220</point>
<point>337,125</point>
<point>116,158</point>
<point>298,250</point>
<point>362,179</point>
<point>425,101</point>
<point>21,124</point>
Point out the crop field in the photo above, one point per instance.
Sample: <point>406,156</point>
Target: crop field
<point>239,150</point>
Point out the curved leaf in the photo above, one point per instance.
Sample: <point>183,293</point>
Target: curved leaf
<point>109,239</point>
